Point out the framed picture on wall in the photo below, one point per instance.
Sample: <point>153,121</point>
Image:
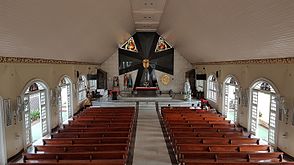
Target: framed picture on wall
<point>7,111</point>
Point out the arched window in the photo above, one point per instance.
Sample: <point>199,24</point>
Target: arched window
<point>263,111</point>
<point>36,111</point>
<point>82,90</point>
<point>212,88</point>
<point>231,98</point>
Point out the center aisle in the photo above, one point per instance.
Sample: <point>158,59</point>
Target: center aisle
<point>150,146</point>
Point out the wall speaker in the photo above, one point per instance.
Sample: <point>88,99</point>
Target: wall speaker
<point>216,74</point>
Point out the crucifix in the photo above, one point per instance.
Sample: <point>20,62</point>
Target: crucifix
<point>146,52</point>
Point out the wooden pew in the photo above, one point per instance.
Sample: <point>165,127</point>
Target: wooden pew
<point>96,140</point>
<point>230,157</point>
<point>73,162</point>
<point>192,129</point>
<point>100,124</point>
<point>238,163</point>
<point>208,134</point>
<point>216,140</point>
<point>90,156</point>
<point>81,148</point>
<point>183,148</point>
<point>94,129</point>
<point>89,134</point>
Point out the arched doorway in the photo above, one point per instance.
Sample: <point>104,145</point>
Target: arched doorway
<point>3,154</point>
<point>263,111</point>
<point>36,111</point>
<point>231,99</point>
<point>65,99</point>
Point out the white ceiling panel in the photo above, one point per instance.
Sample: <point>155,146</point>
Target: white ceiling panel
<point>75,30</point>
<point>221,30</point>
<point>201,30</point>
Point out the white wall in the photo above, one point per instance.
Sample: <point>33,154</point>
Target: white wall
<point>13,79</point>
<point>181,65</point>
<point>282,76</point>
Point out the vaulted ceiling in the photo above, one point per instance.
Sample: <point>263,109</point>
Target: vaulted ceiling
<point>201,30</point>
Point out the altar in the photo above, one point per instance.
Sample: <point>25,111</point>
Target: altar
<point>146,91</point>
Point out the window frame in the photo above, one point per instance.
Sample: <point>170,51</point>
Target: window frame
<point>82,89</point>
<point>212,88</point>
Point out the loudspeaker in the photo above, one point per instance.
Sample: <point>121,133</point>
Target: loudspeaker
<point>216,74</point>
<point>78,74</point>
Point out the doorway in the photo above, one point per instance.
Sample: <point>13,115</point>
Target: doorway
<point>3,154</point>
<point>263,112</point>
<point>231,99</point>
<point>65,100</point>
<point>35,101</point>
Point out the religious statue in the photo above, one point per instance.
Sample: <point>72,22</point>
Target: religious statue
<point>125,81</point>
<point>187,90</point>
<point>130,81</point>
<point>115,81</point>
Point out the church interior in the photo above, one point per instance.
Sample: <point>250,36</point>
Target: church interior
<point>146,82</point>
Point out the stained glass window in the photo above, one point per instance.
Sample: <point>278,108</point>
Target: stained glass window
<point>162,45</point>
<point>130,45</point>
<point>33,87</point>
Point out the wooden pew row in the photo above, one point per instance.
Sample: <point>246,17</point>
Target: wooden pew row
<point>199,125</point>
<point>184,148</point>
<point>216,140</point>
<point>121,118</point>
<point>195,129</point>
<point>81,148</point>
<point>230,157</point>
<point>92,137</point>
<point>208,134</point>
<point>195,118</point>
<point>94,129</point>
<point>187,115</point>
<point>107,162</point>
<point>238,163</point>
<point>73,162</point>
<point>211,141</point>
<point>187,122</point>
<point>92,122</point>
<point>196,121</point>
<point>99,123</point>
<point>111,125</point>
<point>83,156</point>
<point>89,134</point>
<point>191,144</point>
<point>97,115</point>
<point>96,140</point>
<point>103,120</point>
